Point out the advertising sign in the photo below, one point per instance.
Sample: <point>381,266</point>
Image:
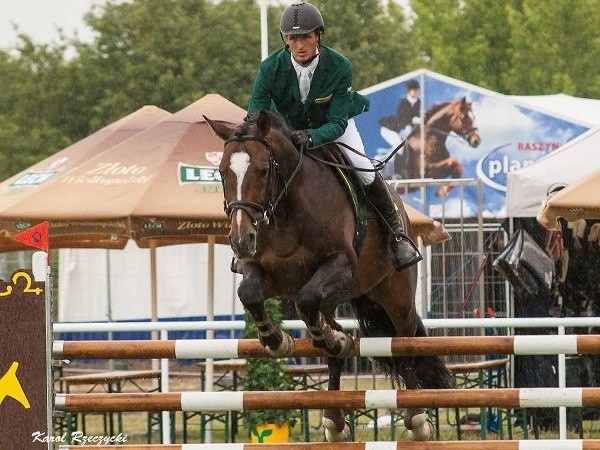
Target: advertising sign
<point>468,132</point>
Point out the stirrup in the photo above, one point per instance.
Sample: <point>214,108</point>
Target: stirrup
<point>398,237</point>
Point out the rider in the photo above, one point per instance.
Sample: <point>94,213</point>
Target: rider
<point>310,86</point>
<point>409,109</point>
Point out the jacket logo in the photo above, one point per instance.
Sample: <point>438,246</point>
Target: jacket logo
<point>322,100</point>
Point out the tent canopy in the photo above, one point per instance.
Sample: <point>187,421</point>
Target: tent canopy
<point>578,108</point>
<point>528,187</point>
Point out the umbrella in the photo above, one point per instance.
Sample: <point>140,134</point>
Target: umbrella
<point>577,201</point>
<point>26,185</point>
<point>159,187</point>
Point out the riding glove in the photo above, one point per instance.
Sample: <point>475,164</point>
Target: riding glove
<point>301,138</point>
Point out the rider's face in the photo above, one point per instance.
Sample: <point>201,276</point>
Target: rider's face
<point>303,46</point>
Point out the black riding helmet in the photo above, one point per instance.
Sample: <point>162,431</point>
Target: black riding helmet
<point>412,84</point>
<point>301,18</point>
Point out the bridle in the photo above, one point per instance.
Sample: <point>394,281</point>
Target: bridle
<point>274,180</point>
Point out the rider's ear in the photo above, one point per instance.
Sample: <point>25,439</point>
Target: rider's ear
<point>263,124</point>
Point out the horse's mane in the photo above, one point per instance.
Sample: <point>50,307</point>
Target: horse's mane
<point>434,109</point>
<point>277,123</point>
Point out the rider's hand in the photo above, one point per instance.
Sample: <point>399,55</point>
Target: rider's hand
<point>301,138</point>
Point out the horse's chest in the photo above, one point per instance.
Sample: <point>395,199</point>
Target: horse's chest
<point>436,150</point>
<point>287,275</point>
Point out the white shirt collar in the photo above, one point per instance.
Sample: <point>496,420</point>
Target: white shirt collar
<point>298,67</point>
<point>412,100</point>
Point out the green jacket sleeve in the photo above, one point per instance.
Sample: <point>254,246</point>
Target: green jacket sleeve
<point>260,97</point>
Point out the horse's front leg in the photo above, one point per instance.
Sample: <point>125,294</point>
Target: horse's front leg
<point>251,293</point>
<point>333,277</point>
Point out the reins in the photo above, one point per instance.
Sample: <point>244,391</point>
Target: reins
<point>376,167</point>
<point>274,175</point>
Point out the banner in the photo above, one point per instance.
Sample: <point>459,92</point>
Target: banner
<point>468,132</point>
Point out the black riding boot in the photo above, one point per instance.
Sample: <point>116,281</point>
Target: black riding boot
<point>403,249</point>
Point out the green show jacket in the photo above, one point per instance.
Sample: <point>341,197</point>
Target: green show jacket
<point>330,102</point>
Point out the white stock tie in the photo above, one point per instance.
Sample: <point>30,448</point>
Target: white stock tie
<point>304,83</point>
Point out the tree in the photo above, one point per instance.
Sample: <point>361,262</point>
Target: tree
<point>170,53</point>
<point>36,122</point>
<point>464,39</point>
<point>373,36</point>
<point>554,48</point>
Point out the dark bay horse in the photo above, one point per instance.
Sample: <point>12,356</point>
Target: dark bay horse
<point>292,228</point>
<point>440,121</point>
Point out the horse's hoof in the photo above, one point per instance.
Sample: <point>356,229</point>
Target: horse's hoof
<point>422,428</point>
<point>286,348</point>
<point>332,434</point>
<point>443,191</point>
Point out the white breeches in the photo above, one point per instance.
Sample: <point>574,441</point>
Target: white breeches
<point>351,137</point>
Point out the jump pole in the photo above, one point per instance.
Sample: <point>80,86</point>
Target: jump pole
<point>542,444</point>
<point>370,399</point>
<point>363,347</point>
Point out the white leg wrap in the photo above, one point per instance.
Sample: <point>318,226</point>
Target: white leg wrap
<point>422,428</point>
<point>285,349</point>
<point>332,434</point>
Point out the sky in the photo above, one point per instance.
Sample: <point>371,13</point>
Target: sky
<point>40,19</point>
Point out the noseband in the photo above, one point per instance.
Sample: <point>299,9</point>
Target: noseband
<point>267,209</point>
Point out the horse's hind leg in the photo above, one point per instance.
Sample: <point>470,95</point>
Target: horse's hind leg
<point>336,427</point>
<point>251,292</point>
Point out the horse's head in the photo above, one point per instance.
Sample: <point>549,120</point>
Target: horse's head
<point>249,176</point>
<point>455,116</point>
<point>462,122</point>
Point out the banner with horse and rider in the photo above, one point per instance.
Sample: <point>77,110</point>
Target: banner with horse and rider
<point>453,129</point>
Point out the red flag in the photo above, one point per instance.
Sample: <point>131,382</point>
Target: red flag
<point>36,236</point>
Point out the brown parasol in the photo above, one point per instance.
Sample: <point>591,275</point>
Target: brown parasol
<point>577,201</point>
<point>28,184</point>
<point>158,187</point>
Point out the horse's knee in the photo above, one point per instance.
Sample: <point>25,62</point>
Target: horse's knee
<point>250,292</point>
<point>307,302</point>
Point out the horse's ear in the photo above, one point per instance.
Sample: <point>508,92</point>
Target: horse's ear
<point>220,129</point>
<point>465,105</point>
<point>263,123</point>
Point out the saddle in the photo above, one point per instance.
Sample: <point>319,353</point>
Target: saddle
<point>364,212</point>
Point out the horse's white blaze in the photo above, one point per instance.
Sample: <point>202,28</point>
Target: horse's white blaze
<point>238,164</point>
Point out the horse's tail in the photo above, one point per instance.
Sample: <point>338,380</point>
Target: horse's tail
<point>414,372</point>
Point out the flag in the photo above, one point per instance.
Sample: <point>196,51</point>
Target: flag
<point>36,236</point>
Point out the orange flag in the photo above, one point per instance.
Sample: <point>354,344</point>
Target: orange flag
<point>36,236</point>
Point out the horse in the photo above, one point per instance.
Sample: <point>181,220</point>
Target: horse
<point>292,231</point>
<point>440,120</point>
